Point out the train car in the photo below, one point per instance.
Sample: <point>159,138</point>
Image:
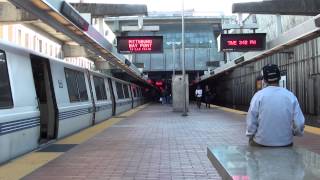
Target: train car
<point>103,97</point>
<point>44,99</point>
<point>19,109</point>
<point>122,95</point>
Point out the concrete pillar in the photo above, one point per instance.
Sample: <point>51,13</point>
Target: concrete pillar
<point>240,22</point>
<point>279,24</point>
<point>103,65</point>
<point>74,51</point>
<point>101,25</point>
<point>140,22</point>
<point>10,14</point>
<point>177,96</point>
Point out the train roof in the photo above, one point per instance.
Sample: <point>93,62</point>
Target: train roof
<point>6,45</point>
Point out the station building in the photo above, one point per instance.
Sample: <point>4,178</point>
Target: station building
<point>201,31</point>
<point>33,38</point>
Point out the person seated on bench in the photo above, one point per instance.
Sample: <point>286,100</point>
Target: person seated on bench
<point>274,116</point>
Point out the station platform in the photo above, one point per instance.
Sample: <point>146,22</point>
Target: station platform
<point>150,142</point>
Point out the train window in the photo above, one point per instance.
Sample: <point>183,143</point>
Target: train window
<point>126,91</point>
<point>76,85</point>
<point>5,90</point>
<point>119,90</point>
<point>100,88</point>
<point>139,91</point>
<point>134,89</point>
<point>82,86</point>
<point>71,78</point>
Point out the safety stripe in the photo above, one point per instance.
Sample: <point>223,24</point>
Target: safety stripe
<point>18,125</point>
<point>74,113</point>
<point>78,112</point>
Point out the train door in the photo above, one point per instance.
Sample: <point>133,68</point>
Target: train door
<point>92,98</point>
<point>46,98</point>
<point>113,99</point>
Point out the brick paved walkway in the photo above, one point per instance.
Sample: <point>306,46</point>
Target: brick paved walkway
<point>155,143</point>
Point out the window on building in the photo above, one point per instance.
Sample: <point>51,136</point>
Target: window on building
<point>76,85</point>
<point>19,37</point>
<point>45,48</point>
<point>119,90</point>
<point>126,91</point>
<point>100,88</point>
<point>5,90</point>
<point>40,45</point>
<point>56,52</point>
<point>50,50</point>
<point>34,42</point>
<point>53,51</point>
<point>26,41</point>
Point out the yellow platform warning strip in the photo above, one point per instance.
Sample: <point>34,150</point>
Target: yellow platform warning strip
<point>28,163</point>
<point>309,129</point>
<point>313,130</point>
<point>25,165</point>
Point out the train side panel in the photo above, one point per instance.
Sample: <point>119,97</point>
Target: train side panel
<point>72,116</point>
<point>123,102</point>
<point>19,124</point>
<point>102,97</point>
<point>42,87</point>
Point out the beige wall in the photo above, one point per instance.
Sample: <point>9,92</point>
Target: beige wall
<point>10,33</point>
<point>1,31</point>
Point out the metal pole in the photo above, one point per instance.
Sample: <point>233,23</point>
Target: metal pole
<point>173,59</point>
<point>183,66</point>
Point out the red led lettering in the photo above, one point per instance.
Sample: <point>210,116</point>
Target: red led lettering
<point>243,42</point>
<point>253,42</point>
<point>138,45</point>
<point>232,43</point>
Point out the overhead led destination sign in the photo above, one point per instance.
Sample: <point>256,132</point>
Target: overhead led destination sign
<point>242,42</point>
<point>140,44</point>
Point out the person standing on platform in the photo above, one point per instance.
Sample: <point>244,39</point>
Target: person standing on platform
<point>198,95</point>
<point>207,96</point>
<point>274,116</point>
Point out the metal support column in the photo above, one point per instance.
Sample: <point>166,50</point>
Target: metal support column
<point>183,67</point>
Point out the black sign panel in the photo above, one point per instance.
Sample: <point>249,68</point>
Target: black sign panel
<point>68,11</point>
<point>242,42</point>
<point>140,44</point>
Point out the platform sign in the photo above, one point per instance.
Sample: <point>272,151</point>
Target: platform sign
<point>140,44</point>
<point>242,42</point>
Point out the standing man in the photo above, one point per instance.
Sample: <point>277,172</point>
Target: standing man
<point>274,116</point>
<point>198,95</point>
<point>207,96</point>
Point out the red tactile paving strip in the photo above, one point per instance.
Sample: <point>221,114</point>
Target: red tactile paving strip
<point>155,143</point>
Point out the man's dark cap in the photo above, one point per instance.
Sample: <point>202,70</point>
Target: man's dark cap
<point>271,73</point>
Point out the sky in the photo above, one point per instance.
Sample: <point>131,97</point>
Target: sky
<point>208,6</point>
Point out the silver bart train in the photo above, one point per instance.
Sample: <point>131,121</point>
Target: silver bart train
<point>42,99</point>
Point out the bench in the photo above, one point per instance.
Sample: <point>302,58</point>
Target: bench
<point>261,163</point>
